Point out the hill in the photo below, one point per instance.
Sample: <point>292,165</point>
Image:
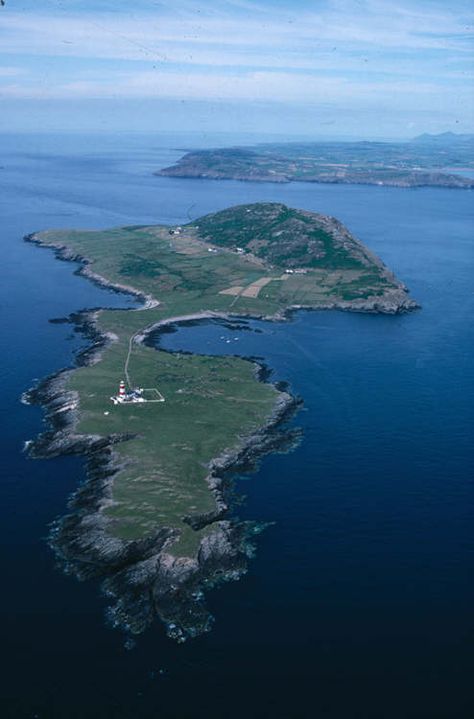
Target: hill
<point>445,138</point>
<point>285,237</point>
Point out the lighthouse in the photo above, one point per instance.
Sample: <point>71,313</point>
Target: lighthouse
<point>136,395</point>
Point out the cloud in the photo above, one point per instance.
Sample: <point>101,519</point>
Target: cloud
<point>11,71</point>
<point>258,85</point>
<point>345,51</point>
<point>180,36</point>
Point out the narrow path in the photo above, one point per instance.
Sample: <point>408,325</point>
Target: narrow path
<point>236,297</point>
<point>127,361</point>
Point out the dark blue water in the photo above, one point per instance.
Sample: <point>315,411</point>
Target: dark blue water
<point>359,602</point>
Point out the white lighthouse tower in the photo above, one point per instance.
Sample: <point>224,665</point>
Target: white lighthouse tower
<point>122,392</point>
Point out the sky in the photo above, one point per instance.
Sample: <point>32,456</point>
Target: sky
<point>321,68</point>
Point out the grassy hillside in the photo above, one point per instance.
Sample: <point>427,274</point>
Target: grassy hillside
<point>283,236</point>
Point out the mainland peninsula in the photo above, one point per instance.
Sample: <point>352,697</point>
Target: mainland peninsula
<point>426,161</point>
<point>152,519</point>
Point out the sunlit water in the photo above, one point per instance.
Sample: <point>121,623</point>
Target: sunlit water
<point>359,602</point>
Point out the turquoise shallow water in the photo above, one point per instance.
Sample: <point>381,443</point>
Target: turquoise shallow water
<point>358,603</point>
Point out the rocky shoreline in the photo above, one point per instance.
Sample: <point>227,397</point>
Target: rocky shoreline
<point>142,579</point>
<point>64,253</point>
<point>414,181</point>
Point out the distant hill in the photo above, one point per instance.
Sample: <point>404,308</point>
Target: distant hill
<point>444,138</point>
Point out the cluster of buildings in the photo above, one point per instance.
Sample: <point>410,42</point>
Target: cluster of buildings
<point>137,395</point>
<point>123,397</point>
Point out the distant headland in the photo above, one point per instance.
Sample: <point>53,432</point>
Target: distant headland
<point>426,161</point>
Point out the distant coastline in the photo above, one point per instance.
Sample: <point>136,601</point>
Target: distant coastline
<point>421,163</point>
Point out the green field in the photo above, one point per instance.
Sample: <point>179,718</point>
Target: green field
<point>212,404</point>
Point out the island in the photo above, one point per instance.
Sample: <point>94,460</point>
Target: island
<point>164,431</point>
<point>426,161</point>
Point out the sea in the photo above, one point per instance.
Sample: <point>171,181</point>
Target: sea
<point>358,603</point>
